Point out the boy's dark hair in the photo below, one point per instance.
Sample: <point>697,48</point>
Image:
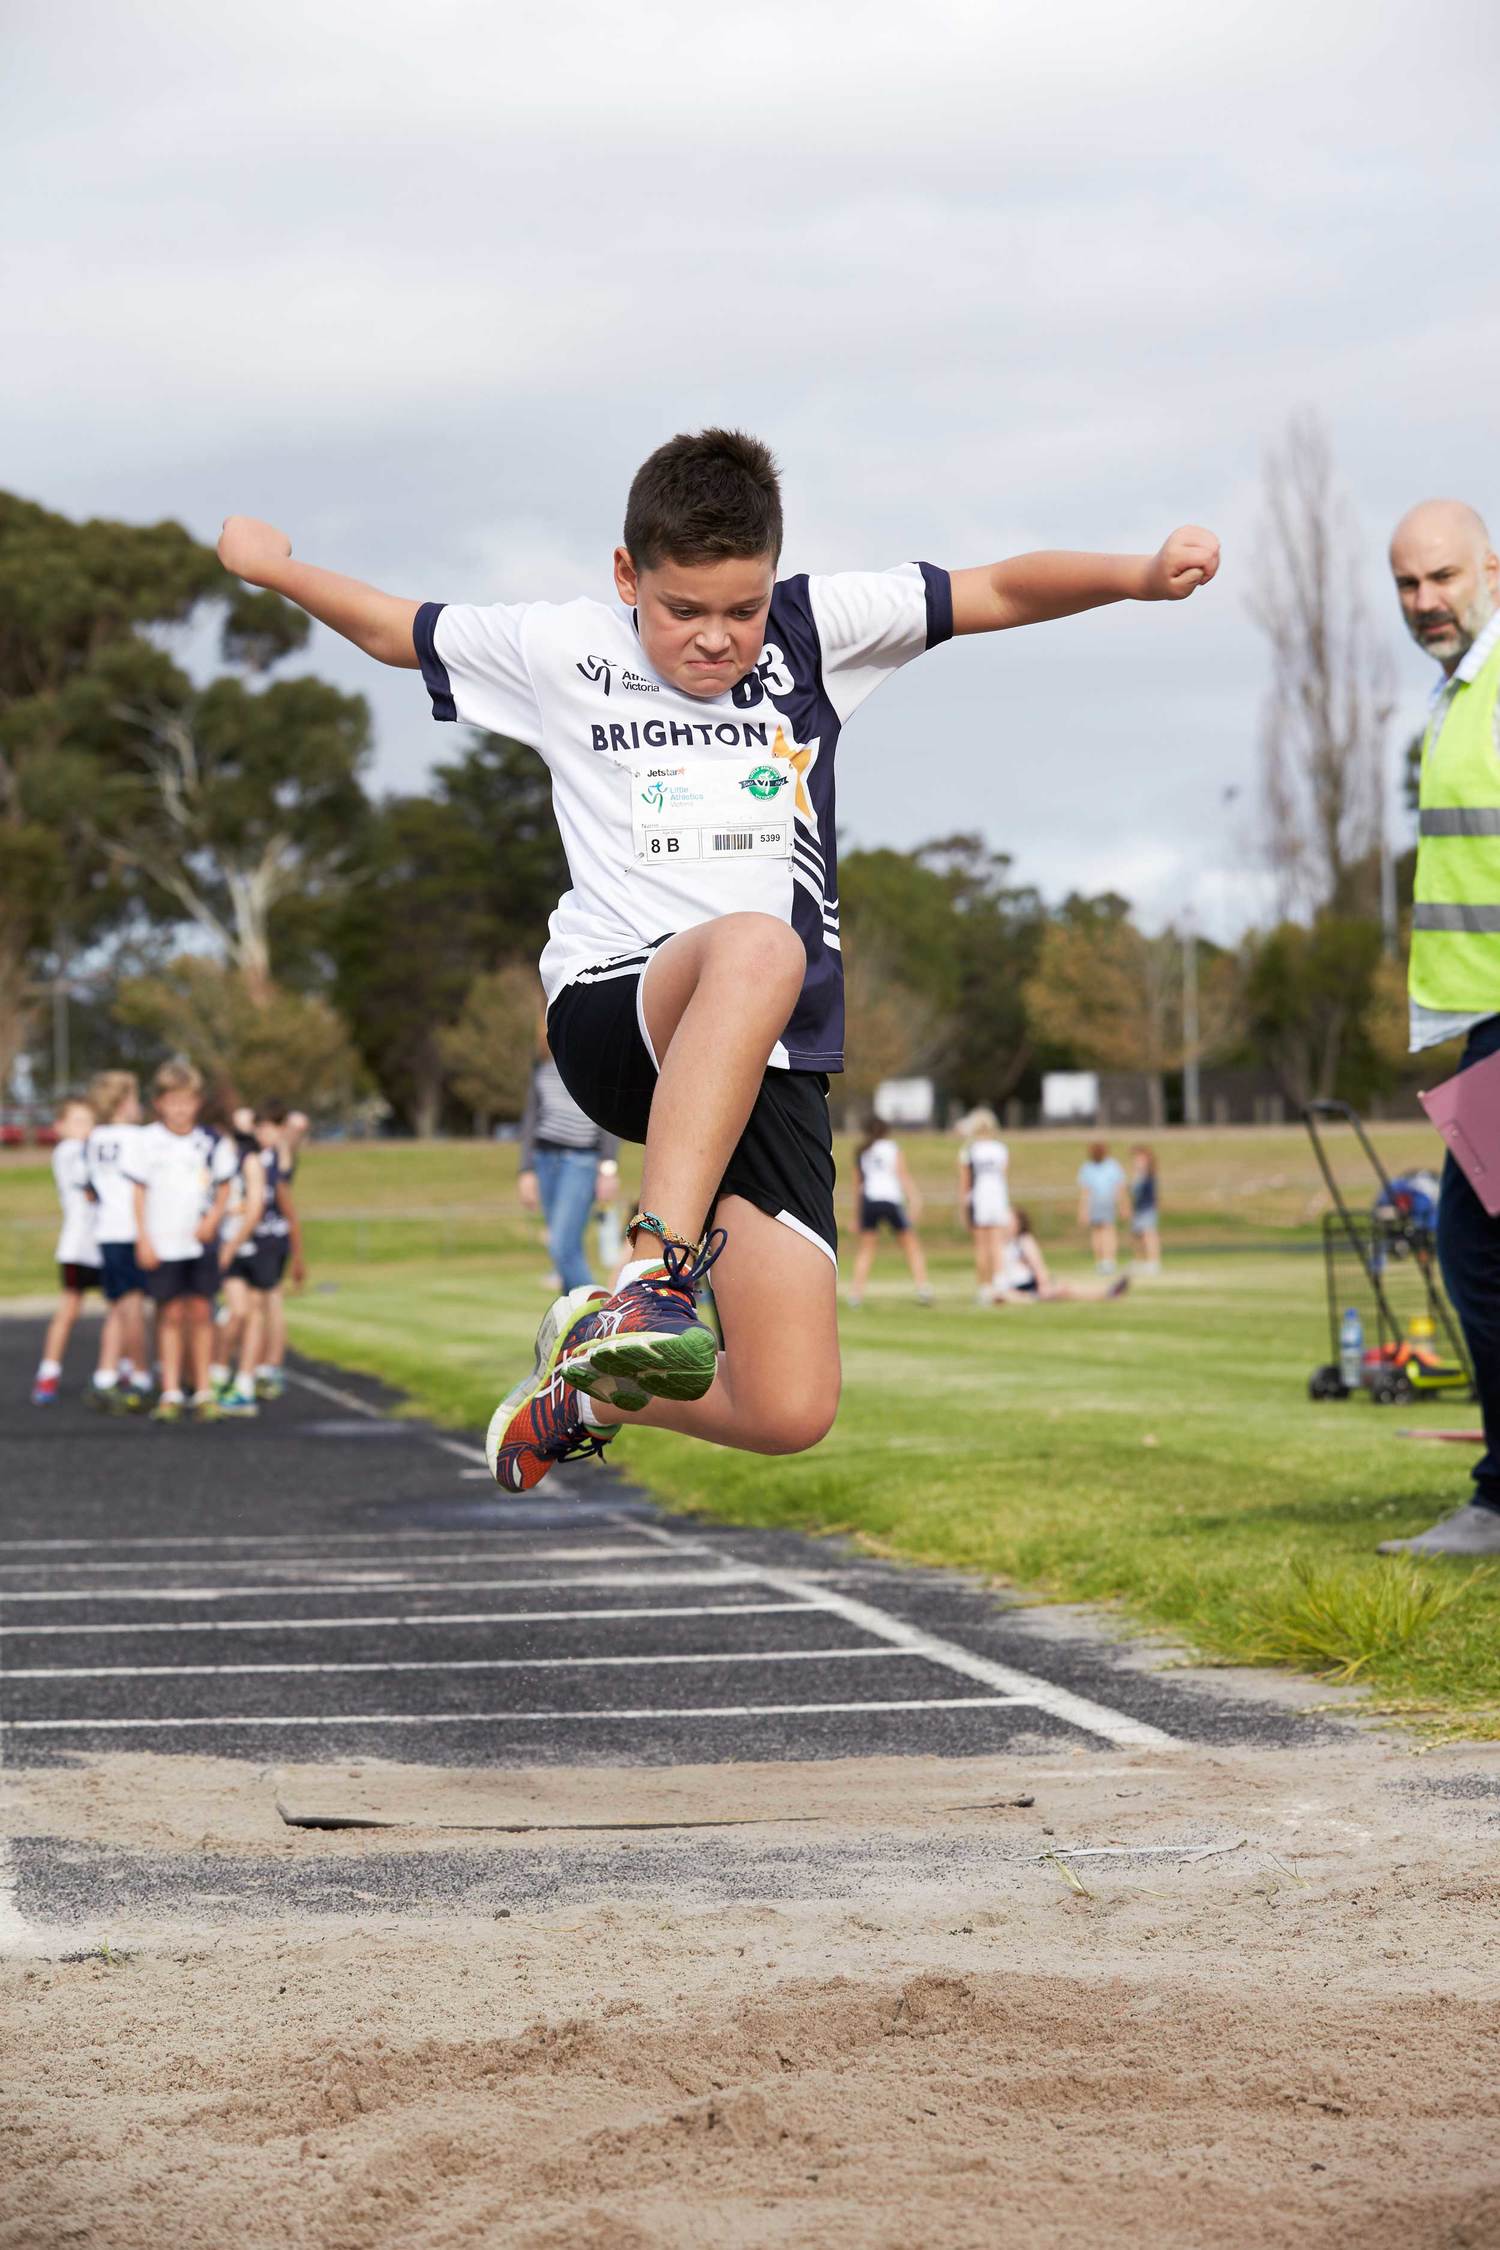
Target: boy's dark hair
<point>703,499</point>
<point>270,1113</point>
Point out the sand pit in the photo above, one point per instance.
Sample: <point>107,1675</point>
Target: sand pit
<point>930,2036</point>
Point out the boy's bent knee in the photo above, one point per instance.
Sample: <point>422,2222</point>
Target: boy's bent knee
<point>761,940</point>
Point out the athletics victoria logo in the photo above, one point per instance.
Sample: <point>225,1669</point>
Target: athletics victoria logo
<point>597,668</point>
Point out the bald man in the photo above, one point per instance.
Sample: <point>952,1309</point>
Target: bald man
<point>1448,583</point>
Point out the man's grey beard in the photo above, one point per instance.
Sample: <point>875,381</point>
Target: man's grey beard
<point>1471,622</point>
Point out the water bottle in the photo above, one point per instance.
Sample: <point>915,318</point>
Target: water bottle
<point>1351,1350</point>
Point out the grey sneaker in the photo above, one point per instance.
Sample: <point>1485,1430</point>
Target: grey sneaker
<point>1468,1531</point>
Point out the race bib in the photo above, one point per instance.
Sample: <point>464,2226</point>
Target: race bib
<point>710,810</point>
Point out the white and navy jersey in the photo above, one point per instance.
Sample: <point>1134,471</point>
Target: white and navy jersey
<point>107,1153</point>
<point>77,1245</point>
<point>181,1173</point>
<point>989,1175</point>
<point>573,680</point>
<point>273,1225</point>
<point>880,1174</point>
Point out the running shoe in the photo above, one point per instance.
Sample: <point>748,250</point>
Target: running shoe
<point>167,1410</point>
<point>541,1422</point>
<point>206,1408</point>
<point>237,1405</point>
<point>44,1391</point>
<point>270,1386</point>
<point>647,1341</point>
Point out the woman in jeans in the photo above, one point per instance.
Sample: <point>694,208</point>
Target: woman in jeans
<point>567,1166</point>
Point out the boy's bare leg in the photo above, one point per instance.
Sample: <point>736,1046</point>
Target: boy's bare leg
<point>200,1326</point>
<point>133,1331</point>
<point>777,1387</point>
<point>109,1338</point>
<point>60,1326</point>
<point>275,1338</point>
<point>169,1344</point>
<point>252,1337</point>
<point>915,1260</point>
<point>715,999</point>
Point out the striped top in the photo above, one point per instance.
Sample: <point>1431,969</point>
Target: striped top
<point>552,1119</point>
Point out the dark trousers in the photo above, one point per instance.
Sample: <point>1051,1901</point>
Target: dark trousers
<point>1468,1242</point>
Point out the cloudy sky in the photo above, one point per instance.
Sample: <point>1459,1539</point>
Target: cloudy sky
<point>423,285</point>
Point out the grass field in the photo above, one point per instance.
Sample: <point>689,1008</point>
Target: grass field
<point>1160,1453</point>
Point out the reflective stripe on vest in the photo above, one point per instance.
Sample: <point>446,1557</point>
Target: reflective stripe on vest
<point>1455,946</point>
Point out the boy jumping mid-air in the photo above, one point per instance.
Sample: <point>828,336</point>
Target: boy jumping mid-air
<point>692,973</point>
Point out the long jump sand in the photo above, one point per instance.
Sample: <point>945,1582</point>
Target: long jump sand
<point>887,2021</point>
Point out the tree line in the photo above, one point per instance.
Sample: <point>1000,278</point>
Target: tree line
<point>200,865</point>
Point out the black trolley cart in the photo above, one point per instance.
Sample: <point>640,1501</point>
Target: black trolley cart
<point>1383,1265</point>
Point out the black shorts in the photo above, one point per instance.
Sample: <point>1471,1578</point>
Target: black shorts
<point>184,1277</point>
<point>77,1278</point>
<point>873,1215</point>
<point>783,1162</point>
<point>263,1263</point>
<point>122,1276</point>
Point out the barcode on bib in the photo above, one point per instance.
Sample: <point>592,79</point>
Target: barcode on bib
<point>738,840</point>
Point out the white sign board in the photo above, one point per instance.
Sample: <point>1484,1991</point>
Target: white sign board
<point>906,1101</point>
<point>1070,1097</point>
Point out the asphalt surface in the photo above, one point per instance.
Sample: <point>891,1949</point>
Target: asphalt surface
<point>325,1583</point>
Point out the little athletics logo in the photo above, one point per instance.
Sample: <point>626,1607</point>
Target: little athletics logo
<point>765,783</point>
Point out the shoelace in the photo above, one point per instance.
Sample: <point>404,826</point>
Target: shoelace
<point>686,1264</point>
<point>581,1447</point>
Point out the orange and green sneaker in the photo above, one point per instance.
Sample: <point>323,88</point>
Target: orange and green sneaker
<point>540,1422</point>
<point>648,1340</point>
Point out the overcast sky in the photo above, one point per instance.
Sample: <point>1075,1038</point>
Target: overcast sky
<point>424,284</point>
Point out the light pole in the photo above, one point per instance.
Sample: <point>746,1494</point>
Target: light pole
<point>1191,1104</point>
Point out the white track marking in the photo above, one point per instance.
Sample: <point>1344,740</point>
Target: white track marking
<point>322,1562</point>
<point>1059,1702</point>
<point>377,1414</point>
<point>15,1930</point>
<point>181,1625</point>
<point>389,1583</point>
<point>300,1539</point>
<point>453,1664</point>
<point>506,1718</point>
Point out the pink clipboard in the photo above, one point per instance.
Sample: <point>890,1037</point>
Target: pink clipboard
<point>1466,1111</point>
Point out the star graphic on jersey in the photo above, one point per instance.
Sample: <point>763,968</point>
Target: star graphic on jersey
<point>801,760</point>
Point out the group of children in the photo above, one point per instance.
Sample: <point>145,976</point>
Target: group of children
<point>191,1214</point>
<point>1009,1267</point>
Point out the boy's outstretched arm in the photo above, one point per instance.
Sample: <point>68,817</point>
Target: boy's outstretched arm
<point>1028,589</point>
<point>380,624</point>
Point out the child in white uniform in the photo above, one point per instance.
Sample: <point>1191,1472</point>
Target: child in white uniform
<point>122,1380</point>
<point>887,1198</point>
<point>77,1250</point>
<point>984,1168</point>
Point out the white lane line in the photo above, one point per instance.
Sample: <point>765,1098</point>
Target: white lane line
<point>452,1664</point>
<point>355,1405</point>
<point>180,1625</point>
<point>505,1718</point>
<point>560,1530</point>
<point>389,1583</point>
<point>1059,1702</point>
<point>322,1562</point>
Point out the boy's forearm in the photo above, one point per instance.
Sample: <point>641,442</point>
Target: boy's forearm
<point>379,623</point>
<point>1030,589</point>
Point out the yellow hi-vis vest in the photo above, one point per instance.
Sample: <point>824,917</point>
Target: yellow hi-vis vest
<point>1455,924</point>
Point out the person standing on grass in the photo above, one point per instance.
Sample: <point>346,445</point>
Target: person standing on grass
<point>1145,1210</point>
<point>887,1198</point>
<point>1102,1204</point>
<point>693,973</point>
<point>984,1183</point>
<point>181,1173</point>
<point>567,1166</point>
<point>1448,584</point>
<point>122,1381</point>
<point>77,1246</point>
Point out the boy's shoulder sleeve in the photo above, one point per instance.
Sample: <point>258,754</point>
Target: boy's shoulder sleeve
<point>475,664</point>
<point>871,622</point>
